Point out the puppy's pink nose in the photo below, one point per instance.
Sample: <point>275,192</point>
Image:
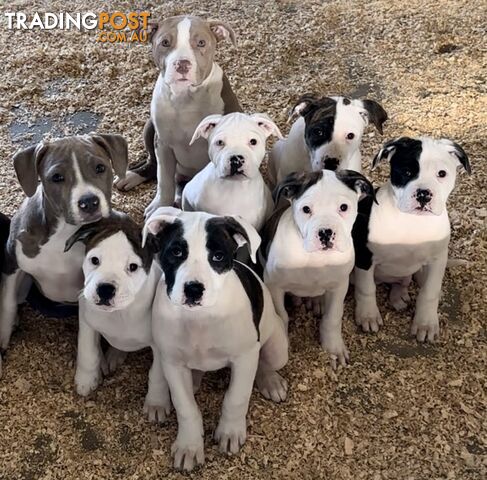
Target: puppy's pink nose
<point>182,66</point>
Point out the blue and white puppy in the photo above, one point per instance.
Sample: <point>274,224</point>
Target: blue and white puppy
<point>211,311</point>
<point>308,248</point>
<point>407,232</point>
<point>116,303</point>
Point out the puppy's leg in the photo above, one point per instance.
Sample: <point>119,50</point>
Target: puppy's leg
<point>188,449</point>
<point>278,296</point>
<point>331,326</point>
<point>166,170</point>
<point>367,313</point>
<point>197,377</point>
<point>399,296</point>
<point>231,432</point>
<point>8,305</point>
<point>114,358</point>
<point>273,356</point>
<point>426,326</point>
<point>88,362</point>
<point>157,405</point>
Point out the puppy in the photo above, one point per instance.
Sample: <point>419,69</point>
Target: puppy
<point>116,303</point>
<point>210,312</point>
<point>327,135</point>
<point>75,189</point>
<point>407,232</point>
<point>231,184</point>
<point>190,86</point>
<point>4,231</point>
<point>308,248</point>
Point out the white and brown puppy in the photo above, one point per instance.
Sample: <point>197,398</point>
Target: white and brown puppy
<point>76,176</point>
<point>116,303</point>
<point>407,232</point>
<point>190,86</point>
<point>231,184</point>
<point>308,247</point>
<point>327,135</point>
<point>210,312</point>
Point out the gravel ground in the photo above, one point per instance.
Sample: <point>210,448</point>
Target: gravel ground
<point>400,410</point>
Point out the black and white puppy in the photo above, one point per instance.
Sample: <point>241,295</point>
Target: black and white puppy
<point>211,311</point>
<point>308,247</point>
<point>407,232</point>
<point>327,135</point>
<point>116,303</point>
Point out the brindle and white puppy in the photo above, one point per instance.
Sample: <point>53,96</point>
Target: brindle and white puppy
<point>190,86</point>
<point>407,232</point>
<point>120,284</point>
<point>210,312</point>
<point>327,135</point>
<point>75,188</point>
<point>308,247</point>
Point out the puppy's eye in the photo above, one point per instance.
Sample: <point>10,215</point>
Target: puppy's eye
<point>165,42</point>
<point>218,256</point>
<point>95,261</point>
<point>176,252</point>
<point>57,178</point>
<point>408,173</point>
<point>201,43</point>
<point>442,173</point>
<point>253,141</point>
<point>220,143</point>
<point>343,207</point>
<point>350,136</point>
<point>318,132</point>
<point>133,267</point>
<point>100,168</point>
<point>306,209</point>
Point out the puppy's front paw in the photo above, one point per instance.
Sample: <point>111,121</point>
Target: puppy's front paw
<point>399,297</point>
<point>153,206</point>
<point>369,318</point>
<point>231,435</point>
<point>426,328</point>
<point>113,359</point>
<point>86,382</point>
<point>131,180</point>
<point>187,452</point>
<point>272,386</point>
<point>335,347</point>
<point>157,411</point>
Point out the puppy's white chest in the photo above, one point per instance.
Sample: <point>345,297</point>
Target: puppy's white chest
<point>58,274</point>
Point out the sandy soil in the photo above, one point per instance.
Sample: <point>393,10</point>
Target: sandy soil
<point>401,410</point>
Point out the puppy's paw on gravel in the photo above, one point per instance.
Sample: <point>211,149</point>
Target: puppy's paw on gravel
<point>425,329</point>
<point>86,382</point>
<point>369,319</point>
<point>272,386</point>
<point>336,348</point>
<point>187,453</point>
<point>131,180</point>
<point>156,411</point>
<point>231,435</point>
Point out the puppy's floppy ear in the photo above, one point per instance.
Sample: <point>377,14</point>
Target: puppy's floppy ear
<point>222,31</point>
<point>295,184</point>
<point>304,105</point>
<point>267,125</point>
<point>387,150</point>
<point>117,150</point>
<point>162,217</point>
<point>205,127</point>
<point>26,163</point>
<point>83,234</point>
<point>459,153</point>
<point>152,27</point>
<point>358,182</point>
<point>375,113</point>
<point>243,233</point>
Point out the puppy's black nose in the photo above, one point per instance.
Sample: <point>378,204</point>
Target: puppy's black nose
<point>423,196</point>
<point>325,235</point>
<point>106,291</point>
<point>236,162</point>
<point>331,163</point>
<point>193,292</point>
<point>89,203</point>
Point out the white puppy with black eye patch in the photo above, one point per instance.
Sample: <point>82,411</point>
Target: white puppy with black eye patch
<point>116,303</point>
<point>308,248</point>
<point>407,233</point>
<point>210,312</point>
<point>231,184</point>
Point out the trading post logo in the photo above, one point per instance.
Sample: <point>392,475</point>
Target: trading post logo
<point>113,27</point>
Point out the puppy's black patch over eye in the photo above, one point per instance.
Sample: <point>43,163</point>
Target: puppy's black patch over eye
<point>442,173</point>
<point>306,209</point>
<point>176,252</point>
<point>343,207</point>
<point>133,267</point>
<point>201,43</point>
<point>165,42</point>
<point>100,168</point>
<point>218,256</point>
<point>95,261</point>
<point>57,178</point>
<point>253,141</point>
<point>350,136</point>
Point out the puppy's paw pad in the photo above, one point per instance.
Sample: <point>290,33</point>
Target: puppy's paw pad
<point>131,180</point>
<point>272,386</point>
<point>425,331</point>
<point>231,435</point>
<point>187,455</point>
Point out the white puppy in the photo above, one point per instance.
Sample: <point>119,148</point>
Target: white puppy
<point>308,247</point>
<point>231,184</point>
<point>407,232</point>
<point>328,135</point>
<point>120,284</point>
<point>210,312</point>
